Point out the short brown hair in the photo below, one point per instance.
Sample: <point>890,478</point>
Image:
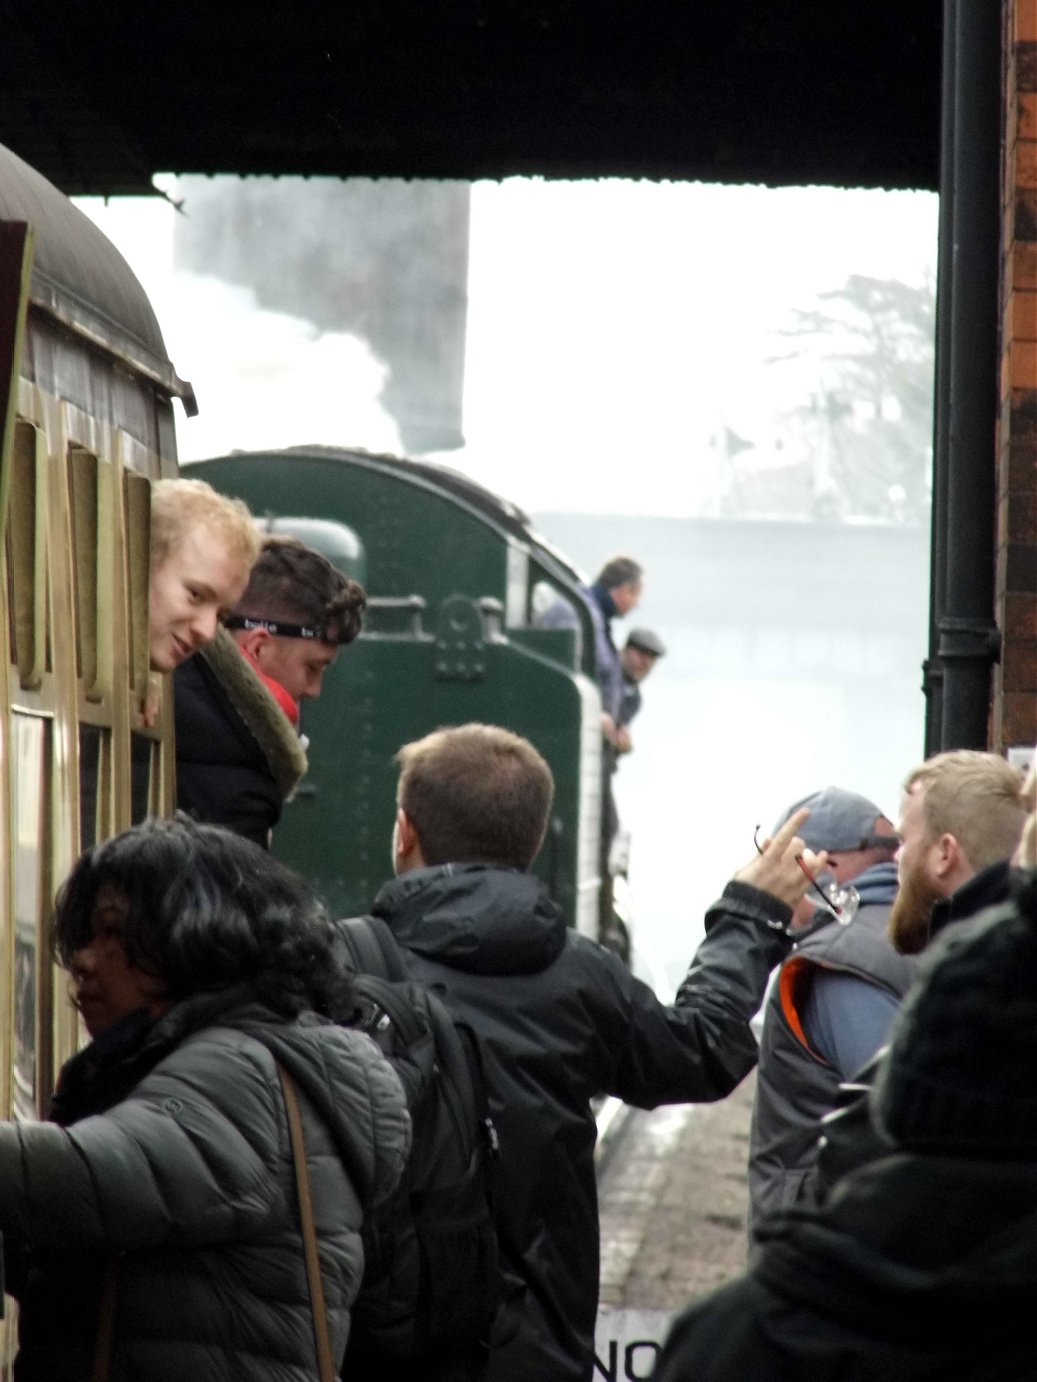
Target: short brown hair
<point>293,582</point>
<point>476,794</point>
<point>177,506</point>
<point>976,797</point>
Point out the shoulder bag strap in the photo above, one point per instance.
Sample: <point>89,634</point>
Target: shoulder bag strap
<point>325,1365</point>
<point>105,1340</point>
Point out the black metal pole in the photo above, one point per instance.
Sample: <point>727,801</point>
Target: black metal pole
<point>932,670</point>
<point>968,634</point>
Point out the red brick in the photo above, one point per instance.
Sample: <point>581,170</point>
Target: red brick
<point>1019,668</point>
<point>1018,717</point>
<point>1022,311</point>
<point>1022,163</point>
<point>1023,273</point>
<point>1024,27</point>
<point>1023,372</point>
<point>1020,617</point>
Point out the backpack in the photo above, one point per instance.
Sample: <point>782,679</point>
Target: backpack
<point>432,1283</point>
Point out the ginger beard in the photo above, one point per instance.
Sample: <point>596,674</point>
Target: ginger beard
<point>908,925</point>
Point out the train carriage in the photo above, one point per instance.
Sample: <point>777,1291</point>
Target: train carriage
<point>86,410</point>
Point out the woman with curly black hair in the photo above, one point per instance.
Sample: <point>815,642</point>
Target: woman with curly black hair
<point>152,1229</point>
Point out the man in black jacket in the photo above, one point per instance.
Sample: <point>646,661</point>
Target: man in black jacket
<point>238,750</point>
<point>561,1019</point>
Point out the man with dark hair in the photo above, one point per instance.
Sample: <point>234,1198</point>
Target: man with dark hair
<point>238,750</point>
<point>560,1019</point>
<point>616,591</point>
<point>833,1000</point>
<point>639,654</point>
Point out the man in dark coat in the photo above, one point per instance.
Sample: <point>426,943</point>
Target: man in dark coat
<point>238,750</point>
<point>560,1019</point>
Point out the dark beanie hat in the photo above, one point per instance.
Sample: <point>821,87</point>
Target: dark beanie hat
<point>960,1075</point>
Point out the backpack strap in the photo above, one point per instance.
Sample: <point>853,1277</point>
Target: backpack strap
<point>395,1003</point>
<point>372,947</point>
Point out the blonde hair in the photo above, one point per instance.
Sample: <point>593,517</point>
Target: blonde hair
<point>976,797</point>
<point>179,505</point>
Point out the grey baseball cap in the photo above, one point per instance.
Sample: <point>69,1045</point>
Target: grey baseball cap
<point>647,641</point>
<point>839,820</point>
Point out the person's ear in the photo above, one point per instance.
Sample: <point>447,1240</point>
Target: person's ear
<point>947,856</point>
<point>406,836</point>
<point>251,640</point>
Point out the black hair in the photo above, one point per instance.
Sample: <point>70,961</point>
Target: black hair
<point>208,910</point>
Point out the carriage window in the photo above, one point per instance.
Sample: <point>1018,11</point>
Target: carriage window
<point>143,770</point>
<point>31,962</point>
<point>94,784</point>
<point>26,556</point>
<point>82,484</point>
<point>138,552</point>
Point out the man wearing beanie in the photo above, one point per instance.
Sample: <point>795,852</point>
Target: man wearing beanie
<point>923,1263</point>
<point>832,1004</point>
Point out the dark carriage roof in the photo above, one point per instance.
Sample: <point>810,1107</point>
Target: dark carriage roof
<point>80,278</point>
<point>100,96</point>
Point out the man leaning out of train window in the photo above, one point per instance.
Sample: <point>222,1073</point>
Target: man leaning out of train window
<point>203,547</point>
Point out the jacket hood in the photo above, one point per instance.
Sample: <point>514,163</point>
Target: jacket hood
<point>913,1251</point>
<point>341,1072</point>
<point>475,918</point>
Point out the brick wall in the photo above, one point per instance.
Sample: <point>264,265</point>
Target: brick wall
<point>1014,719</point>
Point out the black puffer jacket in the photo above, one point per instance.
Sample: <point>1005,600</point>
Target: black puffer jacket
<point>920,1269</point>
<point>187,1180</point>
<point>562,1020</point>
<point>237,756</point>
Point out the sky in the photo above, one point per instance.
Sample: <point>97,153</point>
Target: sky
<point>622,323</point>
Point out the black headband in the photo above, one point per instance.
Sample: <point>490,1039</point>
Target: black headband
<point>278,627</point>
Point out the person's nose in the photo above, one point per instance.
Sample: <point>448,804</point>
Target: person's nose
<point>82,962</point>
<point>204,626</point>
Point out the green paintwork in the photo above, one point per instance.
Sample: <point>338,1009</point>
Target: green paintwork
<point>442,659</point>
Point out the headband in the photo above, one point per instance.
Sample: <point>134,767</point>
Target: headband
<point>278,627</point>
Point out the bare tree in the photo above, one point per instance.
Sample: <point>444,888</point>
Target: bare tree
<point>867,420</point>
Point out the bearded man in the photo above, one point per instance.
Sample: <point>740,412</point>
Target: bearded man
<point>961,820</point>
<point>961,817</point>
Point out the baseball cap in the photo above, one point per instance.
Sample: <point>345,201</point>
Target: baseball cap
<point>647,641</point>
<point>839,820</point>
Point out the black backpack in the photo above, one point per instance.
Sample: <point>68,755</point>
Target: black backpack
<point>432,1284</point>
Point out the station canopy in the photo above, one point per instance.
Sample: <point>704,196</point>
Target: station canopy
<point>99,97</point>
